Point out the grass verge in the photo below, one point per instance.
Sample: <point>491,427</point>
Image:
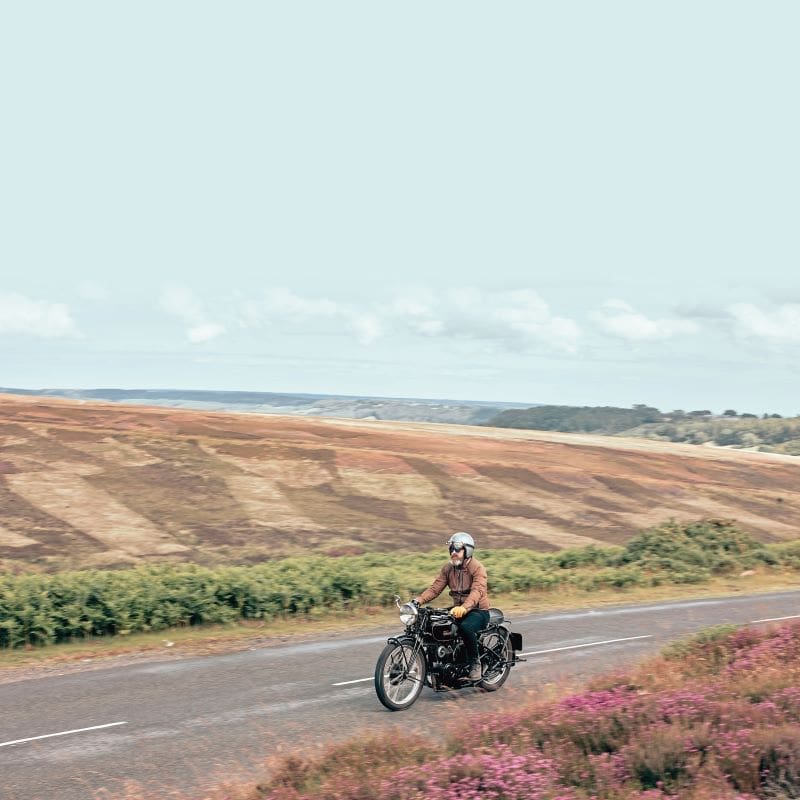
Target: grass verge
<point>243,634</point>
<point>85,615</point>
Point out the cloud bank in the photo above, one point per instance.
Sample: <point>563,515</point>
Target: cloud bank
<point>186,306</point>
<point>22,316</point>
<point>780,325</point>
<point>617,318</point>
<point>512,320</point>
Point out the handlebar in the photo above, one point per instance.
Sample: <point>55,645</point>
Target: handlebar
<point>441,611</point>
<point>430,609</point>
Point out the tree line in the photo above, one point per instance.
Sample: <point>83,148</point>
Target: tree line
<point>768,432</point>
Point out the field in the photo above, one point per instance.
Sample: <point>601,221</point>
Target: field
<point>102,485</point>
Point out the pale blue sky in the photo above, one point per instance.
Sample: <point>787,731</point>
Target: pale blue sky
<point>561,202</point>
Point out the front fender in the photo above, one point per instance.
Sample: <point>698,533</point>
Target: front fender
<point>404,639</point>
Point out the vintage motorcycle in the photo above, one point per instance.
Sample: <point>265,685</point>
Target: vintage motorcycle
<point>431,652</point>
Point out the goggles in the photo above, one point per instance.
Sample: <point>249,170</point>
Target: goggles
<point>455,548</point>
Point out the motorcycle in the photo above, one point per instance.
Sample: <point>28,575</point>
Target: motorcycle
<point>432,653</point>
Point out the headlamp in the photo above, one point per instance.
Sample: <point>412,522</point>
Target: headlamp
<point>408,613</point>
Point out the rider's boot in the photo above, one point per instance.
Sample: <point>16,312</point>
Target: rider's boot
<point>475,673</point>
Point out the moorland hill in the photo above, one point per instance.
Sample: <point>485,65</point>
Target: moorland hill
<point>92,484</point>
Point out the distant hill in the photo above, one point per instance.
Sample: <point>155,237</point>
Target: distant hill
<point>462,412</point>
<point>768,433</point>
<point>85,483</point>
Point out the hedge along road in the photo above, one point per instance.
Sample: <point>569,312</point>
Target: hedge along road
<point>184,723</point>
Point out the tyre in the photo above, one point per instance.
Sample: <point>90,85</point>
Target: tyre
<point>496,657</point>
<point>399,676</point>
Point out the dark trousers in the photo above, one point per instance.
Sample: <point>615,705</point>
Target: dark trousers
<point>471,625</point>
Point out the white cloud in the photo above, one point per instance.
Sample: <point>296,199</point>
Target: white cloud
<point>182,303</point>
<point>781,324</point>
<point>515,320</point>
<point>418,310</point>
<point>23,316</point>
<point>284,308</point>
<point>619,319</point>
<point>368,327</point>
<point>527,314</point>
<point>283,303</point>
<point>204,332</point>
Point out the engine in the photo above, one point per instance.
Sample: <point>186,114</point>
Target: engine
<point>444,630</point>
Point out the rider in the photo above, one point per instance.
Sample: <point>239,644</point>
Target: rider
<point>466,578</point>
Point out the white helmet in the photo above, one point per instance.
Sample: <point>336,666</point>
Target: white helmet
<point>462,539</point>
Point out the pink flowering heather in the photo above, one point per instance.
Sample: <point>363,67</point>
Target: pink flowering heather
<point>498,775</point>
<point>772,649</point>
<point>685,705</point>
<point>788,701</point>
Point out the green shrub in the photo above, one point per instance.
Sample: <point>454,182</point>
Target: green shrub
<point>44,609</point>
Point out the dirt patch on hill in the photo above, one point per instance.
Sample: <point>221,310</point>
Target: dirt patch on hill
<point>109,484</point>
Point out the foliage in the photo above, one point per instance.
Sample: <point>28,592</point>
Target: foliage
<point>770,433</point>
<point>594,419</point>
<point>37,609</point>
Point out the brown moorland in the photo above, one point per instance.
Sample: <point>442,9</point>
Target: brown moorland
<point>107,485</point>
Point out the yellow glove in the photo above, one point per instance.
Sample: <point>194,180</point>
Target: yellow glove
<point>458,612</point>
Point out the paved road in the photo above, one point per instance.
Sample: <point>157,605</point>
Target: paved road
<point>180,723</point>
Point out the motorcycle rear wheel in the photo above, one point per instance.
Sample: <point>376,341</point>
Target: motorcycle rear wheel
<point>496,649</point>
<point>399,678</point>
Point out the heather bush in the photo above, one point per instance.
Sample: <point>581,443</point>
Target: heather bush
<point>498,774</point>
<point>699,548</point>
<point>339,773</point>
<point>38,609</point>
<point>722,707</point>
<point>661,756</point>
<point>703,654</point>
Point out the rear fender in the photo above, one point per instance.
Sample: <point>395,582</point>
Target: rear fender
<point>516,638</point>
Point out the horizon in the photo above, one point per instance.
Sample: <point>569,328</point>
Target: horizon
<point>328,395</point>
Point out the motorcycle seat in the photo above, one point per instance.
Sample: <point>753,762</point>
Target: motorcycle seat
<point>495,616</point>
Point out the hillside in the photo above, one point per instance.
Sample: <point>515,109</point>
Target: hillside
<point>93,484</point>
<point>770,433</point>
<point>460,412</point>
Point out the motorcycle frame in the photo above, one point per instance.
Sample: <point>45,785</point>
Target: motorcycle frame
<point>415,634</point>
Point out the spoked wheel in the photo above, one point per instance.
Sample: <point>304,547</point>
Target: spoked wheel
<point>399,676</point>
<point>496,657</point>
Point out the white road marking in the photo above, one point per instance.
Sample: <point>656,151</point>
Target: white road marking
<point>62,733</point>
<point>774,619</point>
<point>595,613</point>
<point>537,653</point>
<point>589,644</point>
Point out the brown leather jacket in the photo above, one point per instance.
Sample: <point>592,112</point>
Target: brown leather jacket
<point>468,585</point>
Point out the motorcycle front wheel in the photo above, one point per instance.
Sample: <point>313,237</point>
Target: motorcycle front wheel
<point>399,676</point>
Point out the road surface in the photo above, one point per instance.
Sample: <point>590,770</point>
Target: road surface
<point>180,724</point>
